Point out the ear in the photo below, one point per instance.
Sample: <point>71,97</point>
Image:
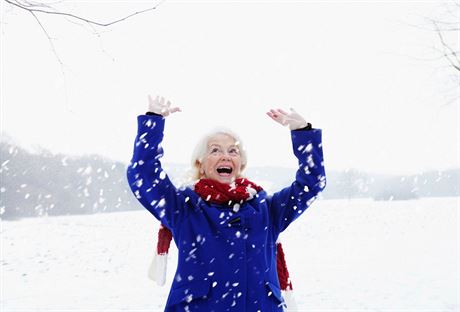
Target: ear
<point>199,167</point>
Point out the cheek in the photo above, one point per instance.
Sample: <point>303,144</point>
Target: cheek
<point>237,163</point>
<point>208,163</point>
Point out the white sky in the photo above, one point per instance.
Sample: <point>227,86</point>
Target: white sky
<point>358,70</point>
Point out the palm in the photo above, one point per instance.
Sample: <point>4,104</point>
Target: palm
<point>158,106</point>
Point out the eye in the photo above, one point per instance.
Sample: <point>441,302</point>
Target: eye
<point>234,151</point>
<point>214,150</point>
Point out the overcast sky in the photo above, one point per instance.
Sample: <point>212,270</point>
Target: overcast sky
<point>358,70</point>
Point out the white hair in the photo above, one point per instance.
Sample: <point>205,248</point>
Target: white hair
<point>201,148</point>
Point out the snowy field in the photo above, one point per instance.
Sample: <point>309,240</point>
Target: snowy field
<point>343,255</point>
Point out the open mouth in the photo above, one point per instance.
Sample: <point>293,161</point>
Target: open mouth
<point>224,171</point>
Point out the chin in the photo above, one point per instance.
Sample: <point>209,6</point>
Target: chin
<point>226,180</point>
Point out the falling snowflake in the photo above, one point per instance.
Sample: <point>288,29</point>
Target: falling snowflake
<point>162,202</point>
<point>310,161</point>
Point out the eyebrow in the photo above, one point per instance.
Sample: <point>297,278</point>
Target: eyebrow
<point>218,145</point>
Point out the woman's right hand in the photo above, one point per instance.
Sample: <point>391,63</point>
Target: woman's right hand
<point>158,106</point>
<point>293,119</point>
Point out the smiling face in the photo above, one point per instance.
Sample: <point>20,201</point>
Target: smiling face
<point>222,161</point>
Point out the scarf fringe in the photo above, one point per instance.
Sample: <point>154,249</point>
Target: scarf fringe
<point>290,301</point>
<point>158,267</point>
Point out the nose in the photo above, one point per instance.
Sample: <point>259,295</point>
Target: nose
<point>225,155</point>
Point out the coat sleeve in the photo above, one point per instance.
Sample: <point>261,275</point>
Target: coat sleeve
<point>289,203</point>
<point>147,180</point>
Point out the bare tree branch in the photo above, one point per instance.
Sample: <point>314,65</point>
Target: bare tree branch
<point>31,7</point>
<point>456,62</point>
<point>445,23</point>
<point>47,36</point>
<point>55,54</point>
<point>447,27</point>
<point>38,7</point>
<point>34,4</point>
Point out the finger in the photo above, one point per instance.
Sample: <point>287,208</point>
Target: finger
<point>168,104</point>
<point>175,109</point>
<point>282,111</point>
<point>271,116</point>
<point>162,101</point>
<point>279,119</point>
<point>157,99</point>
<point>274,112</point>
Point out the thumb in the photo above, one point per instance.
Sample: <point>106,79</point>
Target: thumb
<point>175,109</point>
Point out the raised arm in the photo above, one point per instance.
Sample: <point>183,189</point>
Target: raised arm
<point>289,203</point>
<point>149,183</point>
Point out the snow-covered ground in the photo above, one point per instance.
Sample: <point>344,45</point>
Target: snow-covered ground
<point>343,255</point>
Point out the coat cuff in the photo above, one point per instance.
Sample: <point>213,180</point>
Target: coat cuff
<point>153,114</point>
<point>307,127</point>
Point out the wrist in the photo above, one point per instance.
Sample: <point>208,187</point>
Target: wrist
<point>308,126</point>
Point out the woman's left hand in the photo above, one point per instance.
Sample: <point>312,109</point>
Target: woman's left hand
<point>291,119</point>
<point>158,106</point>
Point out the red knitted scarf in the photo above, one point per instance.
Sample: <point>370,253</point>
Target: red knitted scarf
<point>226,194</point>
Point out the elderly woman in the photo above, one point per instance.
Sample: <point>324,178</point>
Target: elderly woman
<point>224,226</point>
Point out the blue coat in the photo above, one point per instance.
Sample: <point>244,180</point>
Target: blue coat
<point>227,259</point>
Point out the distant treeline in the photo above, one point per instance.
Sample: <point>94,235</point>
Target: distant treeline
<point>39,184</point>
<point>56,184</point>
<point>356,184</point>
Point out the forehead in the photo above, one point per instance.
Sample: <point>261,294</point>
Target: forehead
<point>222,139</point>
